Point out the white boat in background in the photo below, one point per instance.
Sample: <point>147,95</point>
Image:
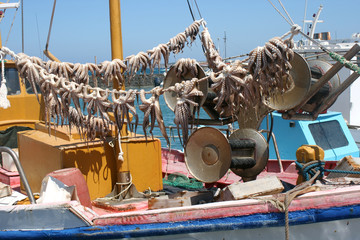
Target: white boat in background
<point>348,103</point>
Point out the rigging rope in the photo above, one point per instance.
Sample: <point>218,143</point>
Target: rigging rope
<point>334,55</point>
<point>50,26</point>
<point>286,12</point>
<point>280,13</point>
<point>297,29</point>
<point>22,26</point>
<point>12,24</point>
<point>197,8</point>
<point>192,15</point>
<point>67,82</point>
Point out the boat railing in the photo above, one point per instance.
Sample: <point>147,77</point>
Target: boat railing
<point>20,169</point>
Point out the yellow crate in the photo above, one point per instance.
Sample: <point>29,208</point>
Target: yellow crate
<point>41,154</point>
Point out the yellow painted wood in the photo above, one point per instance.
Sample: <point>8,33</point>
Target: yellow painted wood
<point>51,56</point>
<point>308,153</point>
<point>24,110</point>
<point>41,154</point>
<point>142,158</point>
<point>116,34</point>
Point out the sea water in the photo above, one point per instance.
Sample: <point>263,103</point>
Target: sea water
<point>168,117</point>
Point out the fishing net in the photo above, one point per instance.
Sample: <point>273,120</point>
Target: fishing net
<point>182,181</point>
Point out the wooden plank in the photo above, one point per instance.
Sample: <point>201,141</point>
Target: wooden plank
<point>184,198</point>
<point>5,190</point>
<point>348,163</point>
<point>259,187</point>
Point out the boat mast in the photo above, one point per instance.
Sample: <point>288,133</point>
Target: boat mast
<point>115,31</point>
<point>304,16</point>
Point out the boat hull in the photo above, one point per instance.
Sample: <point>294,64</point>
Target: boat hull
<point>334,223</point>
<point>328,214</point>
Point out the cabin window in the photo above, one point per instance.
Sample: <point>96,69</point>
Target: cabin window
<point>29,88</point>
<point>328,134</point>
<point>12,81</point>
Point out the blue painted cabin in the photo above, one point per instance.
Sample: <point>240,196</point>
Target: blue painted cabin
<point>329,131</point>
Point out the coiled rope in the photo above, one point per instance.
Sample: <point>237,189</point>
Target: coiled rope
<point>310,168</point>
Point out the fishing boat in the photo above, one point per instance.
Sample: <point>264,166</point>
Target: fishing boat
<point>97,179</point>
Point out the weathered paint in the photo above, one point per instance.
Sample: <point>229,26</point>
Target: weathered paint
<point>315,200</point>
<point>303,224</point>
<point>43,217</point>
<point>10,178</point>
<point>96,160</point>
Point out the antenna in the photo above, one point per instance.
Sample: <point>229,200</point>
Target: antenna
<point>224,44</point>
<point>314,22</point>
<point>22,27</point>
<point>304,16</point>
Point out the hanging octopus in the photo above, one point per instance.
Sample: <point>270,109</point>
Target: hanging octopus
<point>186,90</point>
<point>193,30</point>
<point>122,105</point>
<point>177,43</point>
<point>155,56</point>
<point>97,102</point>
<point>49,90</point>
<point>152,111</point>
<point>137,62</point>
<point>231,89</point>
<point>213,57</point>
<point>28,70</point>
<point>270,66</point>
<point>61,69</point>
<point>114,69</point>
<point>184,66</point>
<point>70,92</point>
<point>76,119</point>
<point>95,124</point>
<point>80,72</point>
<point>157,92</point>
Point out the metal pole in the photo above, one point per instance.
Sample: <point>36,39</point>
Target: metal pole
<point>304,15</point>
<point>225,44</point>
<point>22,26</point>
<point>21,172</point>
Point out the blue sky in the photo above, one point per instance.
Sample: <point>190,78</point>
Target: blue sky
<point>81,27</point>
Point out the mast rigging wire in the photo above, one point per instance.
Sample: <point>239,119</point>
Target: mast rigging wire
<point>197,7</point>
<point>280,13</point>
<point>286,12</point>
<point>22,26</point>
<point>191,12</point>
<point>51,21</point>
<point>12,24</point>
